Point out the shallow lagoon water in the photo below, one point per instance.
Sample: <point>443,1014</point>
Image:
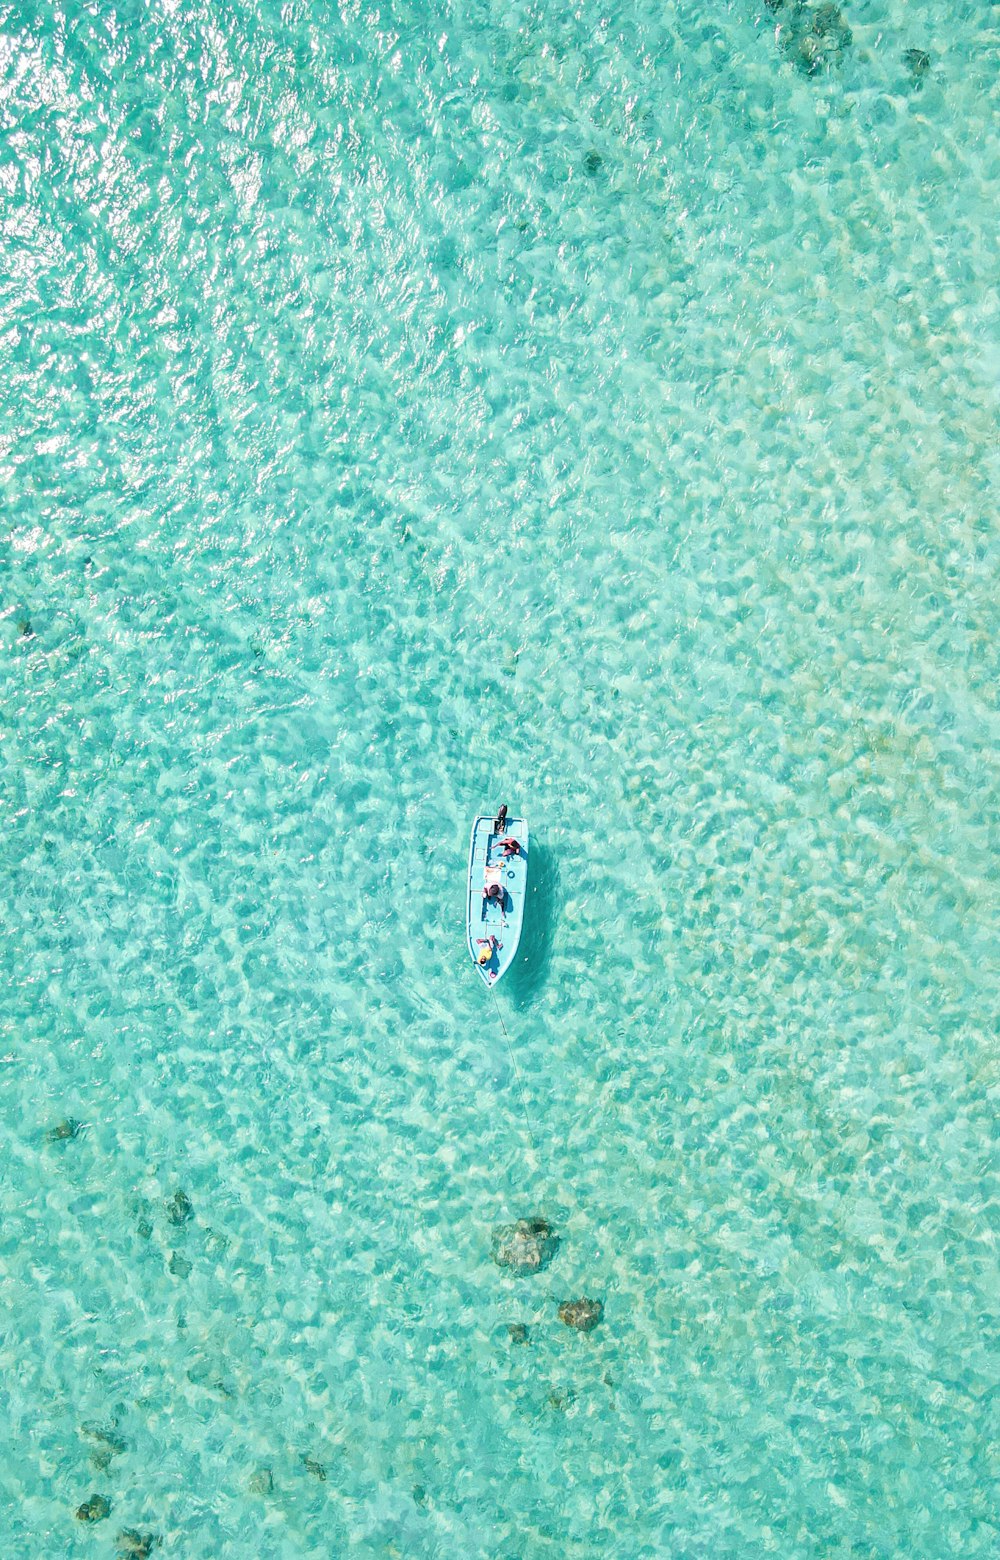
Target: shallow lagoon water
<point>407,410</point>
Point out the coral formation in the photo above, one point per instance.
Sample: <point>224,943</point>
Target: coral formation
<point>526,1247</point>
<point>64,1131</point>
<point>583,1315</point>
<point>917,62</point>
<point>179,1209</point>
<point>94,1510</point>
<point>135,1546</point>
<point>106,1444</point>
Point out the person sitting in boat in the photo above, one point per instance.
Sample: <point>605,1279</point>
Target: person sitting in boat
<point>510,846</point>
<point>493,891</point>
<point>500,821</point>
<point>486,945</point>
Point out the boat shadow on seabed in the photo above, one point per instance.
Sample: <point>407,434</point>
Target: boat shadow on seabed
<point>530,969</point>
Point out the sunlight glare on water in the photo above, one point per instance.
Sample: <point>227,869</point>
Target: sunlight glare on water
<point>407,409</point>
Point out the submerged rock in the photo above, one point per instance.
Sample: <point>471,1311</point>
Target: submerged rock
<point>583,1315</point>
<point>261,1482</point>
<point>526,1247</point>
<point>137,1545</point>
<point>64,1131</point>
<point>94,1510</point>
<point>179,1266</point>
<point>518,1332</point>
<point>106,1444</point>
<point>315,1468</point>
<point>917,62</point>
<point>179,1209</point>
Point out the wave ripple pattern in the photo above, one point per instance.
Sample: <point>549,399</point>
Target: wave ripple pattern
<point>408,408</point>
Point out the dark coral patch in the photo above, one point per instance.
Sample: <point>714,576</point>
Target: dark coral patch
<point>139,1546</point>
<point>106,1444</point>
<point>64,1131</point>
<point>525,1247</point>
<point>917,62</point>
<point>94,1510</point>
<point>582,1315</point>
<point>179,1209</point>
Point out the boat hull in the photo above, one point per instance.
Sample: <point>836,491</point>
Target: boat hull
<point>486,920</point>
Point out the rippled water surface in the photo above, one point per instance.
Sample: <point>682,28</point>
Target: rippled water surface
<point>407,408</point>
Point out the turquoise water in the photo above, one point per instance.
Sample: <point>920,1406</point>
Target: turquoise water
<point>407,409</point>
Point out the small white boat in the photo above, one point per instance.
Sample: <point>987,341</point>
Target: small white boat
<point>498,882</point>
